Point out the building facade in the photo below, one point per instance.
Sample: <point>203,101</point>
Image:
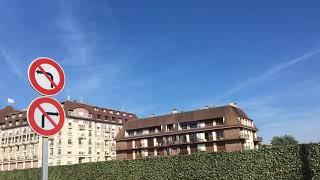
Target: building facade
<point>218,129</point>
<point>87,136</point>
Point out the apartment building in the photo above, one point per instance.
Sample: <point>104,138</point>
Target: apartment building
<point>217,129</point>
<point>87,136</point>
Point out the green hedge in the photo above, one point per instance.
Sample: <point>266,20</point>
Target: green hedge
<point>290,162</point>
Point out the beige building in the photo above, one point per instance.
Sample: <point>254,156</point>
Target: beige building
<point>87,136</point>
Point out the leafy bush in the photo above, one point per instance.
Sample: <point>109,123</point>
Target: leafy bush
<point>288,162</point>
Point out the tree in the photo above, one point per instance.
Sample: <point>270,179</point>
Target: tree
<point>283,140</point>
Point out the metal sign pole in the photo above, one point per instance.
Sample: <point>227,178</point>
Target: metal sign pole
<point>44,166</point>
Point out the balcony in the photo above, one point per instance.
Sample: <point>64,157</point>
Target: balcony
<point>244,136</point>
<point>258,139</point>
<point>82,135</point>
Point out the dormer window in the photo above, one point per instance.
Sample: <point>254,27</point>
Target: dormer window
<point>104,110</point>
<point>70,112</point>
<point>6,118</point>
<point>96,109</point>
<point>13,116</point>
<point>118,113</point>
<point>124,114</point>
<point>111,112</point>
<point>81,113</point>
<point>20,114</point>
<point>130,115</point>
<point>131,133</point>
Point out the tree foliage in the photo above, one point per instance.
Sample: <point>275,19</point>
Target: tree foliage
<point>283,140</point>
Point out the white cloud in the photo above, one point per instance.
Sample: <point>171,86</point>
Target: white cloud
<point>14,66</point>
<point>78,50</point>
<point>270,72</point>
<point>287,112</point>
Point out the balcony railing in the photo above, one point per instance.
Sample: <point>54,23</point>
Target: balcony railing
<point>245,136</point>
<point>258,139</point>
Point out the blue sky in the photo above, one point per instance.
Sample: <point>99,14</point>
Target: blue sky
<point>150,56</point>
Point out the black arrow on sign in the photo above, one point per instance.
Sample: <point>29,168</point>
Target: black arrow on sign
<point>49,113</point>
<point>49,74</point>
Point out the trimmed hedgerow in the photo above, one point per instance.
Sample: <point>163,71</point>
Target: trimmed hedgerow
<point>289,162</point>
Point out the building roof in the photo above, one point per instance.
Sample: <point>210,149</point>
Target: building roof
<point>201,114</point>
<point>67,105</point>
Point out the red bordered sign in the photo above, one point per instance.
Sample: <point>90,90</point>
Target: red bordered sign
<point>46,116</point>
<point>46,76</point>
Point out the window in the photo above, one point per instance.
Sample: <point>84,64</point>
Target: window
<point>70,112</point>
<point>139,132</point>
<point>69,141</point>
<point>219,121</point>
<point>51,151</point>
<point>90,150</point>
<point>98,116</point>
<point>90,141</point>
<point>184,126</point>
<point>90,115</point>
<point>193,125</point>
<point>131,133</point>
<point>96,109</point>
<point>120,120</point>
<point>220,134</point>
<point>81,113</point>
<point>208,136</point>
<point>90,124</point>
<point>90,133</point>
<point>193,137</point>
<point>58,162</point>
<point>183,138</point>
<point>106,117</point>
<point>69,133</point>
<point>170,127</point>
<point>20,115</point>
<point>113,119</point>
<point>69,162</point>
<point>111,112</point>
<point>69,152</point>
<point>59,151</point>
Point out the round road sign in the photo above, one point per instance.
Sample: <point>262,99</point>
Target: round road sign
<point>45,116</point>
<point>46,76</point>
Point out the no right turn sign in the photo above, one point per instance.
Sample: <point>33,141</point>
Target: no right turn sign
<point>46,116</point>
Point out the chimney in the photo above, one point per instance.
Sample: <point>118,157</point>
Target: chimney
<point>174,111</point>
<point>233,104</point>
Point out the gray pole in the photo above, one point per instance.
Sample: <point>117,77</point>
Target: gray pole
<point>44,166</point>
